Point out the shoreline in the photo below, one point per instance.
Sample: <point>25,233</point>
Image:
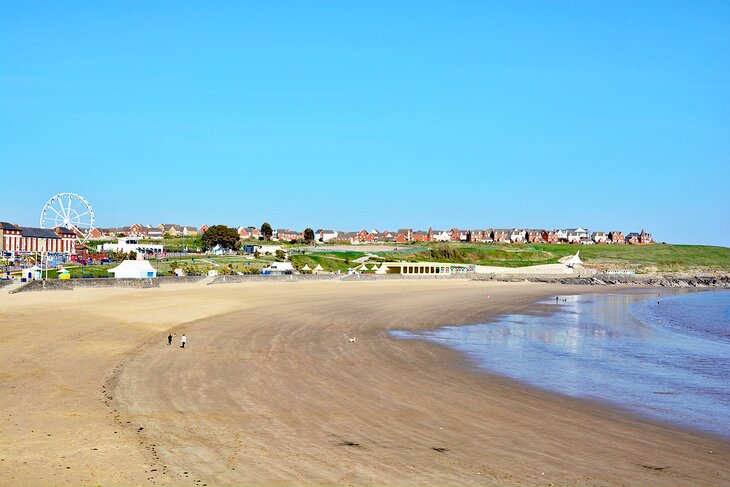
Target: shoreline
<point>543,308</point>
<point>293,345</point>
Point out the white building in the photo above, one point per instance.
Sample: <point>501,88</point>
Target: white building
<point>279,268</point>
<point>133,269</point>
<point>131,244</point>
<point>441,236</point>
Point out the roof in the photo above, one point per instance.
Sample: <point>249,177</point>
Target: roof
<point>65,231</point>
<point>38,232</point>
<point>7,226</point>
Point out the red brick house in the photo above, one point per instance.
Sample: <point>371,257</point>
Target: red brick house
<point>535,236</point>
<point>616,237</point>
<point>203,229</point>
<point>136,229</point>
<point>404,235</point>
<point>287,234</point>
<point>632,238</point>
<point>345,237</point>
<point>550,236</point>
<point>364,236</point>
<point>645,238</point>
<point>421,236</point>
<point>500,235</point>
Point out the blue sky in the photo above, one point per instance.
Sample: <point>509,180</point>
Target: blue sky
<point>610,115</point>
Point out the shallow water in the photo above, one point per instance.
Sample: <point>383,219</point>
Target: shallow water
<point>663,356</point>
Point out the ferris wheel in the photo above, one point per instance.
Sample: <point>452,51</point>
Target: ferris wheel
<point>69,210</point>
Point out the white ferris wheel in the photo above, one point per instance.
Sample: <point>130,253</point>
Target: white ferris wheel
<point>69,210</point>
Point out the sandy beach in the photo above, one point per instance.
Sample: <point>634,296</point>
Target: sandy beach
<point>270,391</point>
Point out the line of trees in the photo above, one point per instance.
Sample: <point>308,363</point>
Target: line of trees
<point>227,238</point>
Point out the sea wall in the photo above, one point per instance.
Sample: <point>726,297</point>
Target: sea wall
<point>655,280</point>
<point>70,285</point>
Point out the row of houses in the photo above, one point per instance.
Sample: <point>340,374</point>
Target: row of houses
<point>15,239</point>
<point>403,235</point>
<point>148,231</point>
<point>496,235</point>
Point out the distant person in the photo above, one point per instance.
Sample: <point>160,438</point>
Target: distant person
<point>183,341</point>
<point>557,299</point>
<point>169,339</point>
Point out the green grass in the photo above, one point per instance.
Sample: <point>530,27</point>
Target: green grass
<point>642,258</point>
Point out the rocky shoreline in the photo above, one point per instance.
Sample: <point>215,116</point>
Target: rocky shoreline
<point>655,280</point>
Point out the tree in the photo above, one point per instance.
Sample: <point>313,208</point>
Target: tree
<point>222,235</point>
<point>308,234</point>
<point>280,255</point>
<point>266,231</point>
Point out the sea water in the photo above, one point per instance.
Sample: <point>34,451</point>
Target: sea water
<point>665,356</point>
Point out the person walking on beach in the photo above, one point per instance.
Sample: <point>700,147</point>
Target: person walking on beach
<point>169,339</point>
<point>183,341</point>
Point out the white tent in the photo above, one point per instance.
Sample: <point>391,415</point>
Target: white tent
<point>133,269</point>
<point>306,268</point>
<point>317,270</point>
<point>363,268</point>
<point>383,269</point>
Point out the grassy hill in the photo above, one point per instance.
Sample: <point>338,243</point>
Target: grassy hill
<point>642,258</point>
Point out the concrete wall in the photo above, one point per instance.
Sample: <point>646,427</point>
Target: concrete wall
<point>70,285</point>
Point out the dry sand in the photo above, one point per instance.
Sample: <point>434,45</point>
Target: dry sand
<point>270,391</point>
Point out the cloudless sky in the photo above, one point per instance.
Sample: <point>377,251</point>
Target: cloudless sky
<point>349,115</point>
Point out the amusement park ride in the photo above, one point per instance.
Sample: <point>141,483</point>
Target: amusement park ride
<point>69,210</point>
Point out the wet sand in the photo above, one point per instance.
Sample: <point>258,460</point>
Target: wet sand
<point>270,391</point>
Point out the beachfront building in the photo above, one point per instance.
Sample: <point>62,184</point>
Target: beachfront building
<point>278,269</point>
<point>425,268</point>
<point>133,269</point>
<point>599,237</point>
<point>131,244</point>
<point>15,240</point>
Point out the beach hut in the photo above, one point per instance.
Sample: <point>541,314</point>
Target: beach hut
<point>64,274</point>
<point>30,273</point>
<point>133,269</point>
